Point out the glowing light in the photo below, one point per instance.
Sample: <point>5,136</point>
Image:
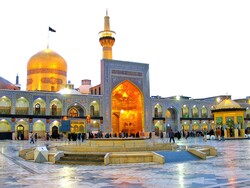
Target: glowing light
<point>180,169</point>
<point>64,91</point>
<point>178,97</point>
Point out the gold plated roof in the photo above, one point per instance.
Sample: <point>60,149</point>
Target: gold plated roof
<point>46,71</point>
<point>228,104</point>
<point>47,59</point>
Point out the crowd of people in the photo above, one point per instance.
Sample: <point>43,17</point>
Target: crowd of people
<point>218,133</point>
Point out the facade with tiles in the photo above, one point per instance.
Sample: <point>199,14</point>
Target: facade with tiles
<point>121,103</point>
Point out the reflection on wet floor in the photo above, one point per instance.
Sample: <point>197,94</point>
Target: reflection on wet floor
<point>231,168</point>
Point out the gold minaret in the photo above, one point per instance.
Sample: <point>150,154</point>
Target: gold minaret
<point>106,39</point>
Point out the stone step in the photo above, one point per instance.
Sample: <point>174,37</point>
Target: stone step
<point>82,159</point>
<point>79,162</point>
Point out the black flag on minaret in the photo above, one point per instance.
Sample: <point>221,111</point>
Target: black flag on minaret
<point>52,30</point>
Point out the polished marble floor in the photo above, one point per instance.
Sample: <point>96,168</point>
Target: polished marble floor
<point>231,168</point>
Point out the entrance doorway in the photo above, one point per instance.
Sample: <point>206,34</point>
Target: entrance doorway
<point>20,132</point>
<point>127,109</point>
<point>55,134</point>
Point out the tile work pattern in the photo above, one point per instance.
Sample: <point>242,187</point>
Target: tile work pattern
<point>231,168</point>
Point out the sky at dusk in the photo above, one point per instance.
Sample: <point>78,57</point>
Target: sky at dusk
<point>194,48</point>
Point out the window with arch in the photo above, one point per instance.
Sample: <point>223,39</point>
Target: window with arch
<point>5,105</point>
<point>204,112</point>
<point>195,112</point>
<point>56,107</point>
<point>92,110</point>
<point>54,110</point>
<point>157,110</point>
<point>185,111</point>
<point>22,106</point>
<point>39,106</point>
<point>37,109</point>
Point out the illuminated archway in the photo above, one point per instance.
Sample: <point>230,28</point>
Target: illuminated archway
<point>39,106</point>
<point>185,111</point>
<point>171,118</point>
<point>22,106</point>
<point>5,105</point>
<point>22,129</point>
<point>40,128</point>
<point>75,110</point>
<point>127,109</point>
<point>94,108</point>
<point>56,107</point>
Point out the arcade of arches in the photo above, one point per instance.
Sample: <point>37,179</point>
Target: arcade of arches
<point>127,109</point>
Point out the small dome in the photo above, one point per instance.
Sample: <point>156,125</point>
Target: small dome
<point>46,71</point>
<point>228,104</point>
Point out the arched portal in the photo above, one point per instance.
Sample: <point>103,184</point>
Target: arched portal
<point>127,109</point>
<point>55,133</point>
<point>171,118</point>
<point>75,110</point>
<point>22,129</point>
<point>40,128</point>
<point>20,132</point>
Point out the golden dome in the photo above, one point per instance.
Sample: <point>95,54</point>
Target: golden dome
<point>228,104</point>
<point>46,71</point>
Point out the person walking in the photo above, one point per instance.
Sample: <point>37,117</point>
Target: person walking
<point>32,138</point>
<point>171,136</point>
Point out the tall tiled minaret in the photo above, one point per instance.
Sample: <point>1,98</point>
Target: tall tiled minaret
<point>107,39</point>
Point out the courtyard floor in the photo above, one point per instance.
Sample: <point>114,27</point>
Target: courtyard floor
<point>231,168</point>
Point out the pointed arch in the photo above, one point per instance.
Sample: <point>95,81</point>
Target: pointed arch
<point>94,108</point>
<point>56,107</point>
<point>185,111</point>
<point>54,129</point>
<point>5,105</point>
<point>127,108</point>
<point>172,118</point>
<point>157,110</point>
<point>195,111</point>
<point>204,112</point>
<point>40,128</point>
<point>22,106</point>
<point>5,126</point>
<point>39,106</point>
<point>75,110</point>
<point>22,129</point>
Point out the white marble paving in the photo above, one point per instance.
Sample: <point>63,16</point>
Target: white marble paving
<point>231,168</point>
